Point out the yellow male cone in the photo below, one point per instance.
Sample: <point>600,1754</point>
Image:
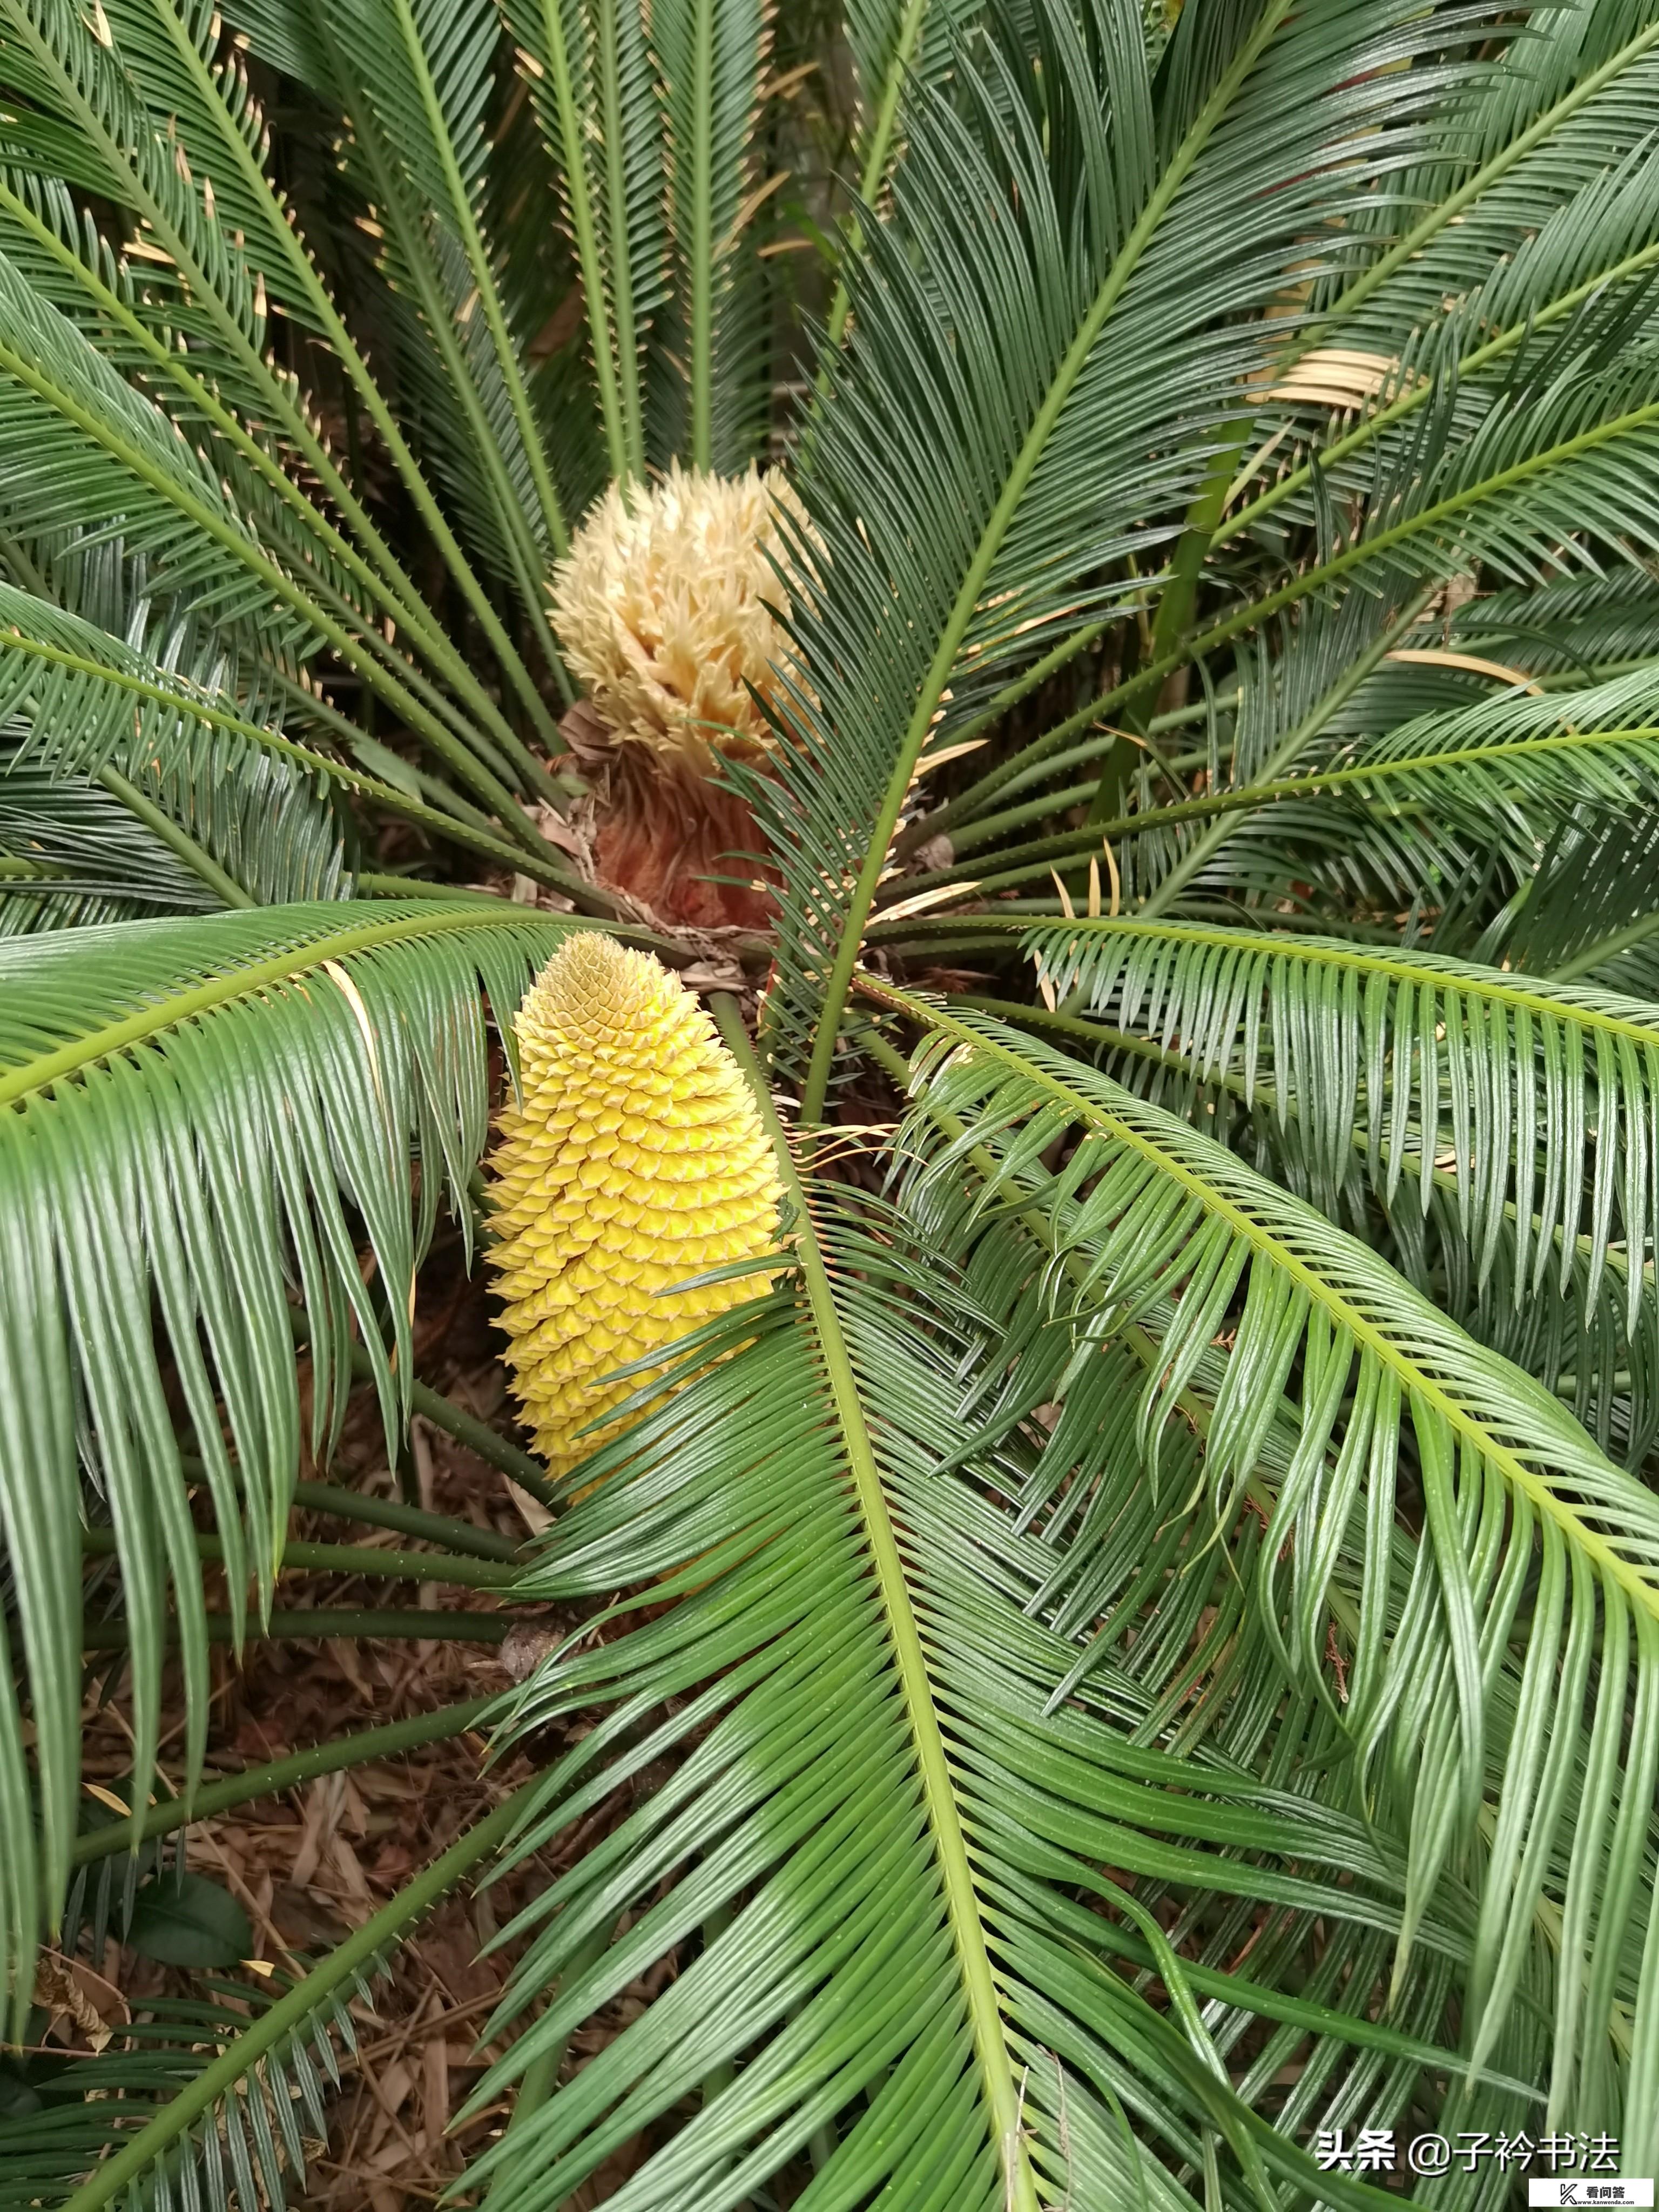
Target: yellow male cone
<point>637,1158</point>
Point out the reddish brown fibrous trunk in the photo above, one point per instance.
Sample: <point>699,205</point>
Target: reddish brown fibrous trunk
<point>663,831</point>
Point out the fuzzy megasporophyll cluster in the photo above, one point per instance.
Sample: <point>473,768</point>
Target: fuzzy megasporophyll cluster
<point>664,606</point>
<point>636,1159</point>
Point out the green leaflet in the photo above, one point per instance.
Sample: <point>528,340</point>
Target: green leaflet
<point>1524,264</point>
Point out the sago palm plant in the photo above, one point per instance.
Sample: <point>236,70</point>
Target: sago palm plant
<point>1104,1413</point>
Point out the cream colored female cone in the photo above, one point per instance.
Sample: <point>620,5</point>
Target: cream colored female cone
<point>663,608</point>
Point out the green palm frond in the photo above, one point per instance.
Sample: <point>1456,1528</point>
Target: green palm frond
<point>711,56</point>
<point>866,1864</point>
<point>1572,443</point>
<point>63,2113</point>
<point>1506,428</point>
<point>1038,497</point>
<point>75,855</point>
<point>1179,1240</point>
<point>652,119</point>
<point>1526,1090</point>
<point>164,717</point>
<point>897,45</point>
<point>1555,216</point>
<point>252,816</point>
<point>93,448</point>
<point>1575,281</point>
<point>136,322</point>
<point>1596,883</point>
<point>907,1752</point>
<point>600,108</point>
<point>151,330</point>
<point>417,83</point>
<point>1584,1330</point>
<point>1562,630</point>
<point>1553,477</point>
<point>1547,110</point>
<point>1340,688</point>
<point>204,1116</point>
<point>58,2121</point>
<point>166,117</point>
<point>231,2133</point>
<point>1445,808</point>
<point>1507,1116</point>
<point>1588,1336</point>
